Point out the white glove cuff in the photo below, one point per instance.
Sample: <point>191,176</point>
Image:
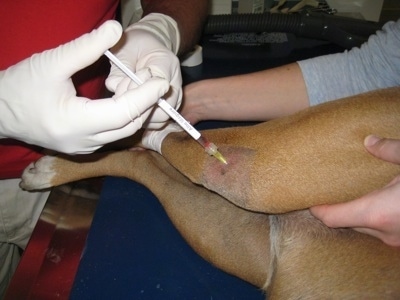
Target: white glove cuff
<point>163,26</point>
<point>152,139</point>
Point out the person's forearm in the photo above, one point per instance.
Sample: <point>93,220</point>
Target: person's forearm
<point>257,96</point>
<point>189,15</point>
<point>374,65</point>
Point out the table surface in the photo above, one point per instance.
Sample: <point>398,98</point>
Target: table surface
<point>115,240</point>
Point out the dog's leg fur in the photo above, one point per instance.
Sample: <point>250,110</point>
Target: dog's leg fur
<point>316,262</point>
<point>313,157</point>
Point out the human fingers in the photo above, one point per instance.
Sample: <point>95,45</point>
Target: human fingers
<point>376,214</point>
<point>348,214</point>
<point>120,110</point>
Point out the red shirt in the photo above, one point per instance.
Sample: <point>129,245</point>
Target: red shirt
<point>32,26</point>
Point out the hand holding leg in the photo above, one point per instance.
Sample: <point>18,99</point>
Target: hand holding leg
<point>377,213</point>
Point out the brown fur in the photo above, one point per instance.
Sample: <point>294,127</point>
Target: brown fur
<point>282,166</point>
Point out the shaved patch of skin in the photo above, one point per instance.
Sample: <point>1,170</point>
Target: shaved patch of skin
<point>231,180</point>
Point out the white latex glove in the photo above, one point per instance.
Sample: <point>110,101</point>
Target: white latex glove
<point>152,139</point>
<point>38,101</point>
<point>152,43</point>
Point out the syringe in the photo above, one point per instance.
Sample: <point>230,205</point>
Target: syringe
<point>209,147</point>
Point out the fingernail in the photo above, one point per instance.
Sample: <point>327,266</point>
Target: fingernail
<point>371,140</point>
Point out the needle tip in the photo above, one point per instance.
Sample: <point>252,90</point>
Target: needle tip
<point>220,157</point>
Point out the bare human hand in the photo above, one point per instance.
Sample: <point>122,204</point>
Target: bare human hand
<point>377,213</point>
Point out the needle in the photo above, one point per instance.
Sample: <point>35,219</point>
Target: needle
<point>209,147</point>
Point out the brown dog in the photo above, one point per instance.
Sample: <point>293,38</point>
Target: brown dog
<point>250,217</point>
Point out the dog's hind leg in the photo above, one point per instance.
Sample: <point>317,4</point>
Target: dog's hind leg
<point>233,239</point>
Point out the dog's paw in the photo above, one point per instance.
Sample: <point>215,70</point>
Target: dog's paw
<point>38,175</point>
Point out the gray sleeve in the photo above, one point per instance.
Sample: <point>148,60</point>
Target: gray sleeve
<point>376,64</point>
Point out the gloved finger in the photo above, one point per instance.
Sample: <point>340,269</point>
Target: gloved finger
<point>157,119</point>
<point>164,65</point>
<point>386,149</point>
<point>172,73</point>
<point>117,134</point>
<point>71,57</point>
<point>93,142</point>
<point>144,101</point>
<point>159,63</point>
<point>109,136</point>
<point>122,86</point>
<point>117,112</point>
<point>126,83</point>
<point>113,81</point>
<point>73,151</point>
<point>116,75</point>
<point>143,75</point>
<point>116,78</point>
<point>158,116</point>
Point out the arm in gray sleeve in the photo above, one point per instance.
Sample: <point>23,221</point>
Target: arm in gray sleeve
<point>376,64</point>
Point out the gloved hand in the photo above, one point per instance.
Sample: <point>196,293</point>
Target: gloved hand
<point>151,43</point>
<point>38,101</point>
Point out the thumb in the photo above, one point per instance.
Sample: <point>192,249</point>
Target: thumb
<point>386,149</point>
<point>152,139</point>
<point>347,214</point>
<point>71,57</point>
